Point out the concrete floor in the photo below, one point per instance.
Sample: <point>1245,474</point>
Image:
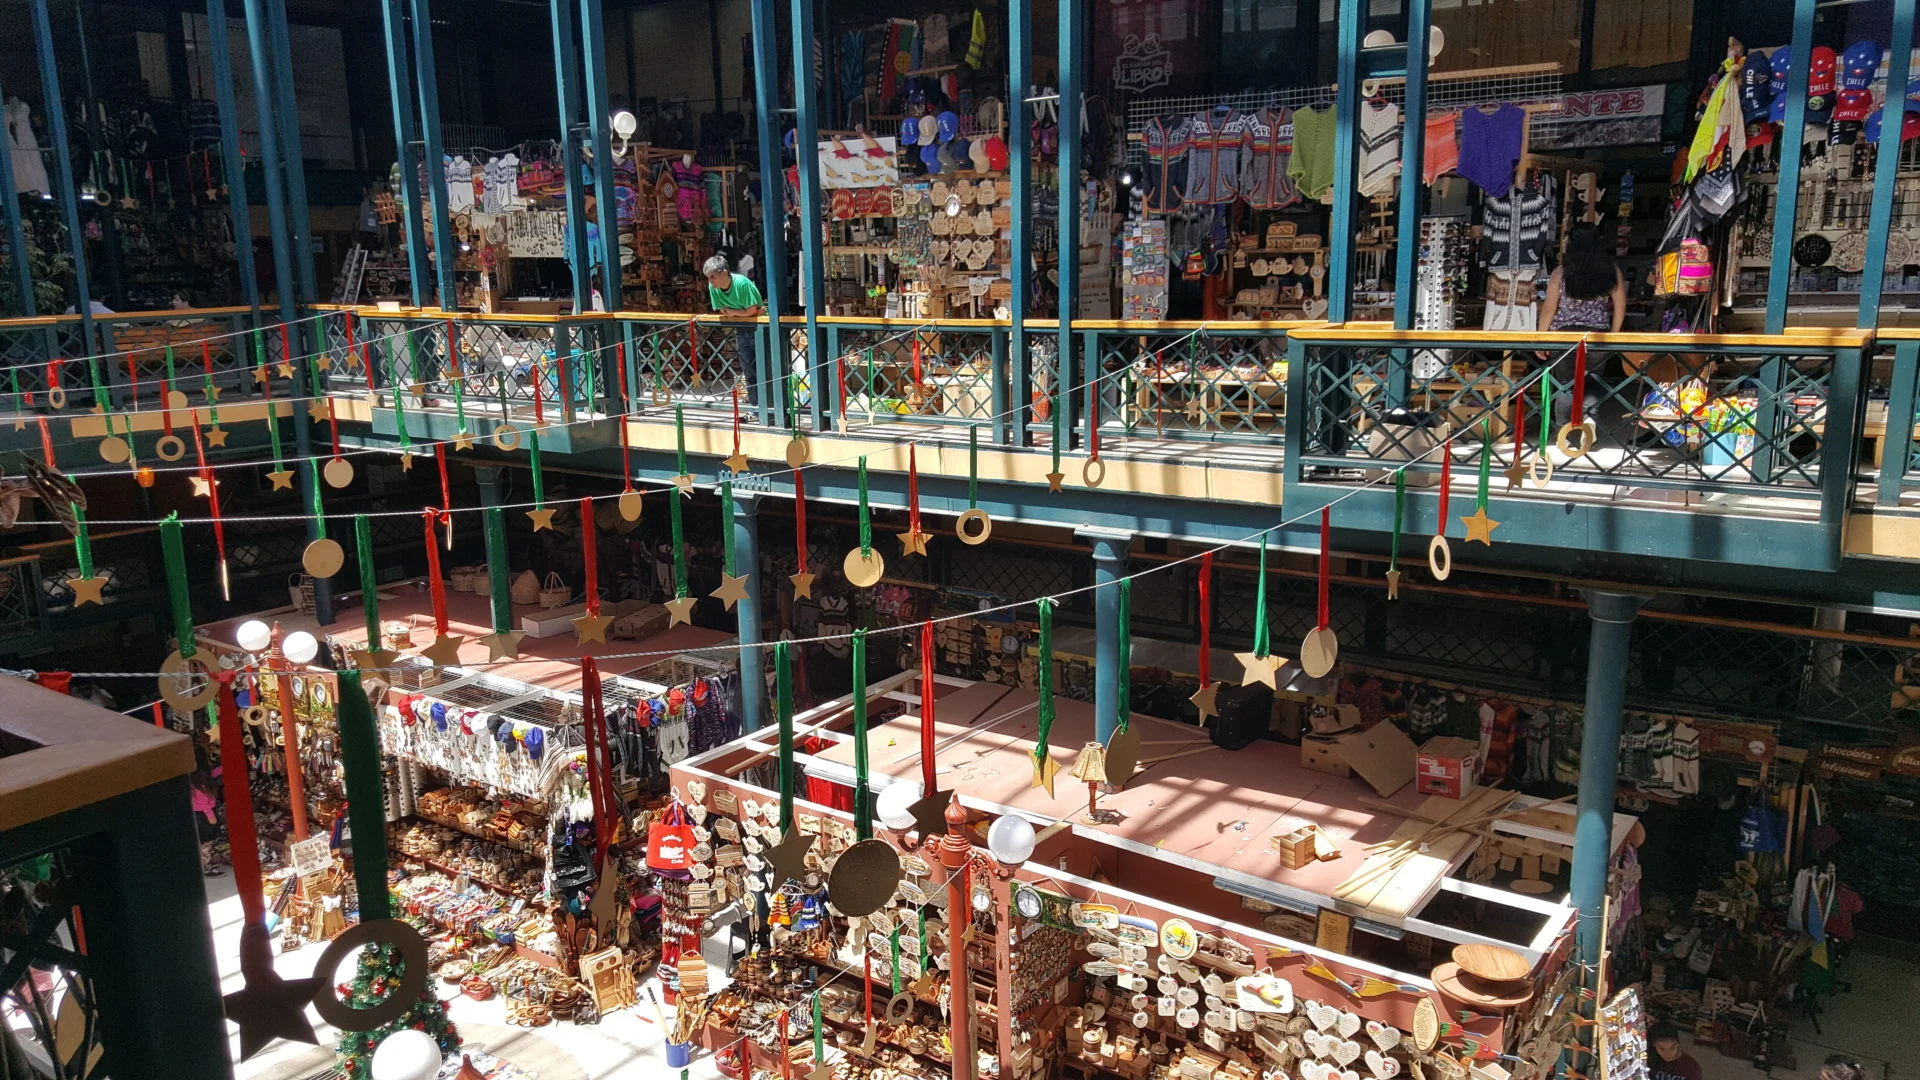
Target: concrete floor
<point>1873,1022</point>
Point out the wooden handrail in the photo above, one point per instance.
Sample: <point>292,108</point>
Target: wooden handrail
<point>67,753</point>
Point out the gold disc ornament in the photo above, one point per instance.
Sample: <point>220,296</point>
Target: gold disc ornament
<point>323,558</point>
<point>864,878</point>
<point>1540,471</point>
<point>170,448</point>
<point>1123,754</point>
<point>629,506</point>
<point>1094,472</point>
<point>177,399</point>
<point>864,569</point>
<point>187,685</point>
<point>1319,651</point>
<point>974,527</point>
<point>506,436</point>
<point>1439,558</point>
<point>338,472</point>
<point>114,450</point>
<point>797,451</point>
<point>57,397</point>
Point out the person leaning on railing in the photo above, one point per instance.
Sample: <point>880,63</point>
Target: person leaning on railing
<point>736,295</point>
<point>1586,294</point>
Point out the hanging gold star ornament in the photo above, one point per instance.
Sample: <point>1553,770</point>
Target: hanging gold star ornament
<point>463,439</point>
<point>212,394</point>
<point>1259,669</point>
<point>445,650</point>
<point>1044,770</point>
<point>1393,584</point>
<point>680,610</point>
<point>283,369</point>
<point>542,518</point>
<point>589,628</point>
<point>504,645</point>
<point>1479,526</point>
<point>802,585</point>
<point>406,462</point>
<point>202,486</point>
<point>1054,479</point>
<point>913,542</point>
<point>1258,664</point>
<point>216,436</point>
<point>736,462</point>
<point>1204,700</point>
<point>930,813</point>
<point>374,659</point>
<point>282,479</point>
<point>86,590</point>
<point>317,410</point>
<point>267,1007</point>
<point>683,482</point>
<point>788,859</point>
<point>260,375</point>
<point>732,590</point>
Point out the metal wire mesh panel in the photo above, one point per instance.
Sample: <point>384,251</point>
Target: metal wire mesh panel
<point>942,373</point>
<point>1175,382</point>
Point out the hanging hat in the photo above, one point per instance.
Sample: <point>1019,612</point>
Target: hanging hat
<point>536,743</point>
<point>977,154</point>
<point>701,690</point>
<point>929,130</point>
<point>948,126</point>
<point>1820,85</point>
<point>909,131</point>
<point>1779,60</point>
<point>930,157</point>
<point>676,699</point>
<point>996,153</point>
<point>504,736</point>
<point>439,711</point>
<point>1091,766</point>
<point>1858,64</point>
<point>1756,87</point>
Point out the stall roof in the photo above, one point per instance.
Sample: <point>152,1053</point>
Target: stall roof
<point>1211,809</point>
<point>545,662</point>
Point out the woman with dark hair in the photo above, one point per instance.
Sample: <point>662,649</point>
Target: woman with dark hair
<point>1587,293</point>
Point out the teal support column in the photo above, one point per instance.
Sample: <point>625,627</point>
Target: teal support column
<point>427,78</point>
<point>774,362</point>
<point>746,559</point>
<point>1787,192</point>
<point>1612,615</point>
<point>1020,180</point>
<point>1886,169</point>
<point>567,91</point>
<point>491,479</point>
<point>63,170</point>
<point>235,166</point>
<point>16,236</point>
<point>292,160</point>
<point>599,125</point>
<point>259,50</point>
<point>1109,566</point>
<point>1072,14</point>
<point>1346,103</point>
<point>400,88</point>
<point>1413,149</point>
<point>813,268</point>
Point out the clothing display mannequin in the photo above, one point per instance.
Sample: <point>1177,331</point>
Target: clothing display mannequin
<point>29,168</point>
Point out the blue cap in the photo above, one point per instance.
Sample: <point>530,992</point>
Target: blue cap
<point>930,156</point>
<point>949,126</point>
<point>439,712</point>
<point>909,131</point>
<point>536,742</point>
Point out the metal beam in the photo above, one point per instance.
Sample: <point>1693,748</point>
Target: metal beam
<point>1109,566</point>
<point>598,122</point>
<point>1353,17</point>
<point>63,170</point>
<point>292,160</point>
<point>233,164</point>
<point>426,77</point>
<point>1020,179</point>
<point>568,95</point>
<point>812,259</point>
<point>1068,266</point>
<point>1413,146</point>
<point>400,89</point>
<point>17,252</point>
<point>1886,167</point>
<point>1787,192</point>
<point>1607,657</point>
<point>774,362</point>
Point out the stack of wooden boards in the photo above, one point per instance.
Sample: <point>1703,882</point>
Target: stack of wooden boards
<point>1404,871</point>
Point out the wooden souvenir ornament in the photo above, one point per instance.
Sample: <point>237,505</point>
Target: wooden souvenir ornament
<point>1259,665</point>
<point>591,626</point>
<point>1540,473</point>
<point>1478,525</point>
<point>864,566</point>
<point>1321,648</point>
<point>1439,552</point>
<point>974,526</point>
<point>87,587</point>
<point>1577,419</point>
<point>323,557</point>
<point>802,580</point>
<point>733,587</point>
<point>914,540</point>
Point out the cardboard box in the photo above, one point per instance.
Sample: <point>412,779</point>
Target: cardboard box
<point>1448,767</point>
<point>1323,755</point>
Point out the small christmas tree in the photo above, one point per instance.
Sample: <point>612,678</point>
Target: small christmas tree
<point>378,975</point>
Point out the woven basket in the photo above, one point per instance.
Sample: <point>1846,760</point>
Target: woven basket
<point>461,578</point>
<point>526,588</point>
<point>300,591</point>
<point>554,593</point>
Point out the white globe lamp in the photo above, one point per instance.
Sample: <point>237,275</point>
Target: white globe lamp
<point>300,647</point>
<point>253,636</point>
<point>894,806</point>
<point>1010,838</point>
<point>406,1055</point>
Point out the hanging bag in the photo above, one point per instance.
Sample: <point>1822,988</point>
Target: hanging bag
<point>1760,827</point>
<point>670,841</point>
<point>555,592</point>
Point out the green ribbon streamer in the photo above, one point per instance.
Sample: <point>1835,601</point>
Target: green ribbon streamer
<point>870,401</point>
<point>819,1035</point>
<point>1044,712</point>
<point>1486,463</point>
<point>366,801</point>
<point>926,955</point>
<point>679,546</point>
<point>459,387</point>
<point>893,944</point>
<point>866,514</point>
<point>369,583</point>
<point>1126,395</point>
<point>783,694</point>
<point>1260,636</point>
<point>82,543</point>
<point>99,390</point>
<point>273,432</point>
<point>399,402</point>
<point>1399,516</point>
<point>680,438</point>
<point>1546,409</point>
<point>1055,410</point>
<point>973,467</point>
<point>1123,678</point>
<point>533,464</point>
<point>175,554</point>
<point>587,373</point>
<point>260,353</point>
<point>169,386</point>
<point>13,381</point>
<point>319,513</point>
<point>726,527</point>
<point>213,403</point>
<point>862,791</point>
<point>497,568</point>
<point>786,396</point>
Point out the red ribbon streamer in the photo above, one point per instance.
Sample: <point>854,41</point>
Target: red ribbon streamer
<point>206,357</point>
<point>53,381</point>
<point>926,707</point>
<point>1446,484</point>
<point>786,1059</point>
<point>446,491</point>
<point>840,381</point>
<point>453,350</point>
<point>286,345</point>
<point>919,374</point>
<point>626,462</point>
<point>242,834</point>
<point>46,444</point>
<point>799,511</point>
<point>599,767</point>
<point>133,381</point>
<point>1519,427</point>
<point>693,348</point>
<point>1326,563</point>
<point>435,587</point>
<point>1093,421</point>
<point>1206,619</point>
<point>736,418</point>
<point>868,979</point>
<point>539,414</point>
<point>913,490</point>
<point>333,423</point>
<point>590,553</point>
<point>1580,381</point>
<point>213,490</point>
